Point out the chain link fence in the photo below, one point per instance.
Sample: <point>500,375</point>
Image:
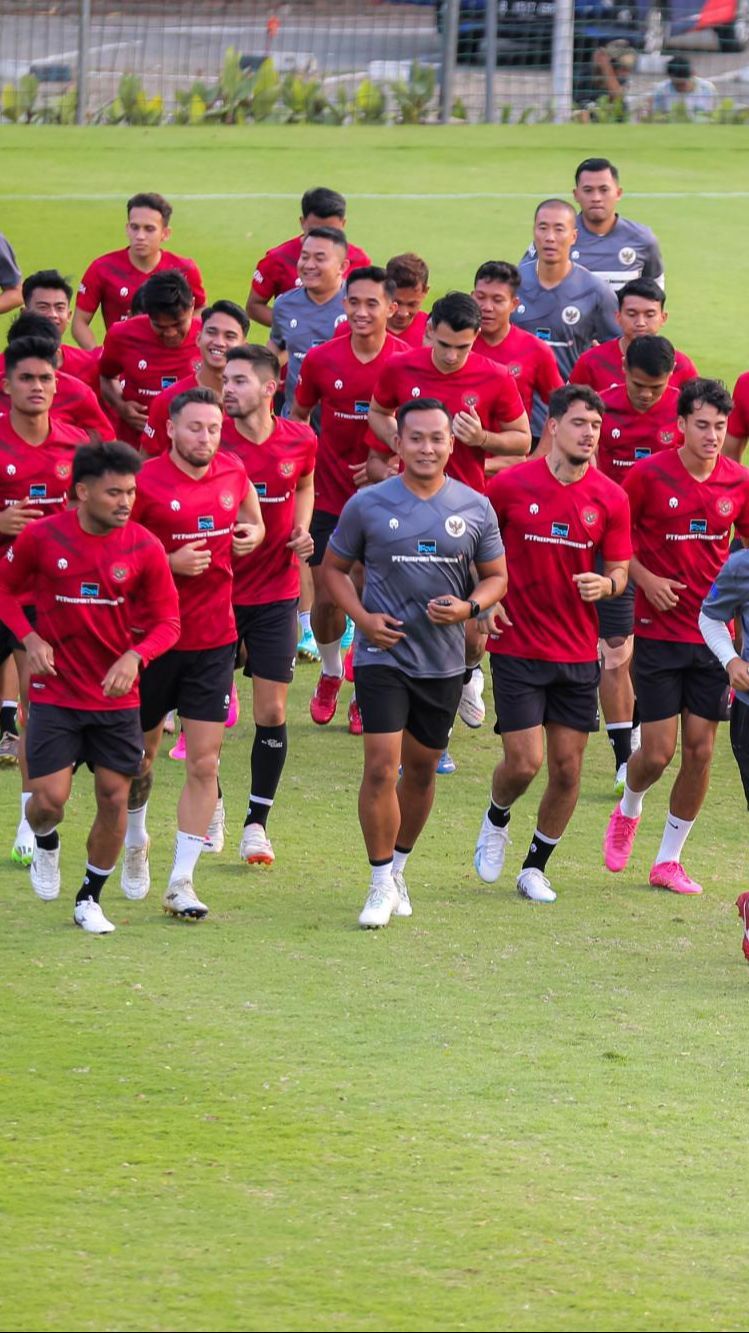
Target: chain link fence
<point>369,61</point>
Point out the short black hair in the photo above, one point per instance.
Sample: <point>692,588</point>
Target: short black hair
<point>421,405</point>
<point>650,353</point>
<point>46,277</point>
<point>157,202</point>
<point>138,305</point>
<point>647,288</point>
<point>23,349</point>
<point>596,164</point>
<point>408,270</point>
<point>167,293</point>
<point>323,203</point>
<point>261,358</point>
<point>30,325</point>
<point>196,395</point>
<point>458,310</point>
<point>679,67</point>
<point>498,270</point>
<point>229,308</point>
<point>698,391</point>
<point>372,273</point>
<point>93,460</point>
<point>555,203</point>
<point>333,234</point>
<point>561,400</point>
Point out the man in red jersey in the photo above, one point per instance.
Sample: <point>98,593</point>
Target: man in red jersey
<point>74,401</point>
<point>642,309</point>
<point>279,458</point>
<point>91,575</point>
<point>411,277</point>
<point>277,271</point>
<point>556,514</point>
<point>203,510</point>
<point>48,293</point>
<point>112,280</point>
<point>340,376</point>
<point>683,502</point>
<point>224,326</point>
<point>145,355</point>
<point>738,422</point>
<point>530,361</point>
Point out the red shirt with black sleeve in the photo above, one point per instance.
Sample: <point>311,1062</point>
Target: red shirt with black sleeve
<point>135,355</point>
<point>37,475</point>
<point>628,436</point>
<point>602,367</point>
<point>112,280</point>
<point>530,361</point>
<point>277,273</point>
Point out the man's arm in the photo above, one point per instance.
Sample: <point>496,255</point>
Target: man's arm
<point>299,412</point>
<point>81,330</point>
<point>734,446</point>
<point>249,530</point>
<point>11,295</point>
<point>133,414</point>
<point>512,440</point>
<point>10,299</point>
<point>382,423</point>
<point>490,589</point>
<point>258,308</point>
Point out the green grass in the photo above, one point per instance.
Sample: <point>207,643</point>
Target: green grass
<point>492,1116</point>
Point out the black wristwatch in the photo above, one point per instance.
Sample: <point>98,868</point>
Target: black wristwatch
<point>475,609</point>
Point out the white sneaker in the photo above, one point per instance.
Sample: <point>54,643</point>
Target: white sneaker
<point>89,916</point>
<point>181,899</point>
<point>135,876</point>
<point>620,779</point>
<point>214,838</point>
<point>255,847</point>
<point>491,845</point>
<point>45,872</point>
<point>382,901</point>
<point>636,738</point>
<point>403,904</point>
<point>533,884</point>
<point>23,847</point>
<point>472,709</point>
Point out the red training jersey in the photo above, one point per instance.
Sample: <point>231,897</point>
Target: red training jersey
<point>88,592</point>
<point>37,474</point>
<point>179,509</point>
<point>134,354</point>
<point>75,403</point>
<point>277,273</point>
<point>681,529</point>
<point>738,421</point>
<point>530,361</point>
<point>271,574</point>
<point>413,336</point>
<point>333,375</point>
<point>552,531</point>
<point>628,436</point>
<point>481,384</point>
<point>155,440</point>
<point>112,280</point>
<point>603,366</point>
<point>82,363</point>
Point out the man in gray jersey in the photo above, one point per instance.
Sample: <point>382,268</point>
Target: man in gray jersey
<point>308,315</point>
<point>417,536</point>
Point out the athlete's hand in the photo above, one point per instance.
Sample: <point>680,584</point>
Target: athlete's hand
<point>191,559</point>
<point>662,593</point>
<point>497,620</point>
<point>133,414</point>
<point>592,587</point>
<point>381,629</point>
<point>448,610</point>
<point>246,537</point>
<point>301,543</point>
<point>40,655</point>
<point>738,674</point>
<point>120,677</point>
<point>15,518</point>
<point>468,429</point>
<point>359,473</point>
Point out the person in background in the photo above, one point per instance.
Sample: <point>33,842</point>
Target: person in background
<point>683,89</point>
<point>10,278</point>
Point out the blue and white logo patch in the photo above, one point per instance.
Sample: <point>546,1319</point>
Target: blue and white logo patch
<point>90,590</point>
<point>560,529</point>
<point>698,525</point>
<point>205,523</point>
<point>642,452</point>
<point>427,548</point>
<point>38,491</point>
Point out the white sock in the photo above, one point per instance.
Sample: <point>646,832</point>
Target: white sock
<point>187,849</point>
<point>631,802</point>
<point>381,875</point>
<point>330,657</point>
<point>399,860</point>
<point>675,834</point>
<point>25,795</point>
<point>304,622</point>
<point>136,833</point>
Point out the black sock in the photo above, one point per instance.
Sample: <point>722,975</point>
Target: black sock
<point>539,852</point>
<point>499,815</point>
<point>49,842</point>
<point>620,739</point>
<point>266,766</point>
<point>635,715</point>
<point>467,674</point>
<point>93,883</point>
<point>8,719</point>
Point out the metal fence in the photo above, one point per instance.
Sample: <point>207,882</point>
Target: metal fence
<point>341,61</point>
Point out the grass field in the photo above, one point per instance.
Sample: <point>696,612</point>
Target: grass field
<point>494,1116</point>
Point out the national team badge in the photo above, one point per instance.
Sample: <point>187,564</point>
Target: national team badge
<point>571,315</point>
<point>590,516</point>
<point>119,573</point>
<point>627,255</point>
<point>666,436</point>
<point>62,470</point>
<point>455,526</point>
<point>515,370</point>
<point>226,500</point>
<point>471,399</point>
<point>286,468</point>
<point>725,507</point>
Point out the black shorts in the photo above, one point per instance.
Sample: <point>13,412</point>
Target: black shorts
<point>321,529</point>
<point>530,693</point>
<point>740,742</point>
<point>616,615</point>
<point>197,683</point>
<point>8,642</point>
<point>670,677</point>
<point>425,706</point>
<point>60,738</point>
<point>269,633</point>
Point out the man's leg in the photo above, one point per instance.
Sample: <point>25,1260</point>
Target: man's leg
<point>269,749</point>
<point>135,878</point>
<point>45,811</point>
<point>23,845</point>
<point>472,709</point>
<point>645,767</point>
<point>103,847</point>
<point>687,797</point>
<point>564,756</point>
<point>617,699</point>
<point>199,794</point>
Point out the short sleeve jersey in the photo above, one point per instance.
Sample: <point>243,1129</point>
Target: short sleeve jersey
<point>580,310</point>
<point>481,384</point>
<point>136,356</point>
<point>10,273</point>
<point>414,550</point>
<point>112,280</point>
<point>82,363</point>
<point>628,436</point>
<point>299,323</point>
<point>179,509</point>
<point>630,250</point>
<point>738,421</point>
<point>38,475</point>
<point>531,363</point>
<point>728,595</point>
<point>681,529</point>
<point>551,532</point>
<point>602,367</point>
<point>333,376</point>
<point>155,440</point>
<point>277,273</point>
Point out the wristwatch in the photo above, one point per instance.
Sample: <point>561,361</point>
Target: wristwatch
<point>475,609</point>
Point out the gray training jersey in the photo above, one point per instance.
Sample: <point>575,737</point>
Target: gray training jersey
<point>300,323</point>
<point>413,550</point>
<point>728,596</point>
<point>630,250</point>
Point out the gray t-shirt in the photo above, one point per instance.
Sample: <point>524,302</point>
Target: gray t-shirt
<point>413,550</point>
<point>630,250</point>
<point>729,596</point>
<point>10,273</point>
<point>300,323</point>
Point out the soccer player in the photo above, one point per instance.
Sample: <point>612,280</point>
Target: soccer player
<point>309,314</point>
<point>530,361</point>
<point>341,376</point>
<point>144,355</point>
<point>277,272</point>
<point>91,576</point>
<point>199,504</point>
<point>224,326</point>
<point>112,280</point>
<point>48,293</point>
<point>279,459</point>
<point>410,275</point>
<point>641,310</point>
<point>417,535</point>
<point>10,278</point>
<point>74,401</point>
<point>738,422</point>
<point>556,514</point>
<point>683,503</point>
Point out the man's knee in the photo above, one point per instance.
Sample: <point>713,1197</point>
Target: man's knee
<point>616,652</point>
